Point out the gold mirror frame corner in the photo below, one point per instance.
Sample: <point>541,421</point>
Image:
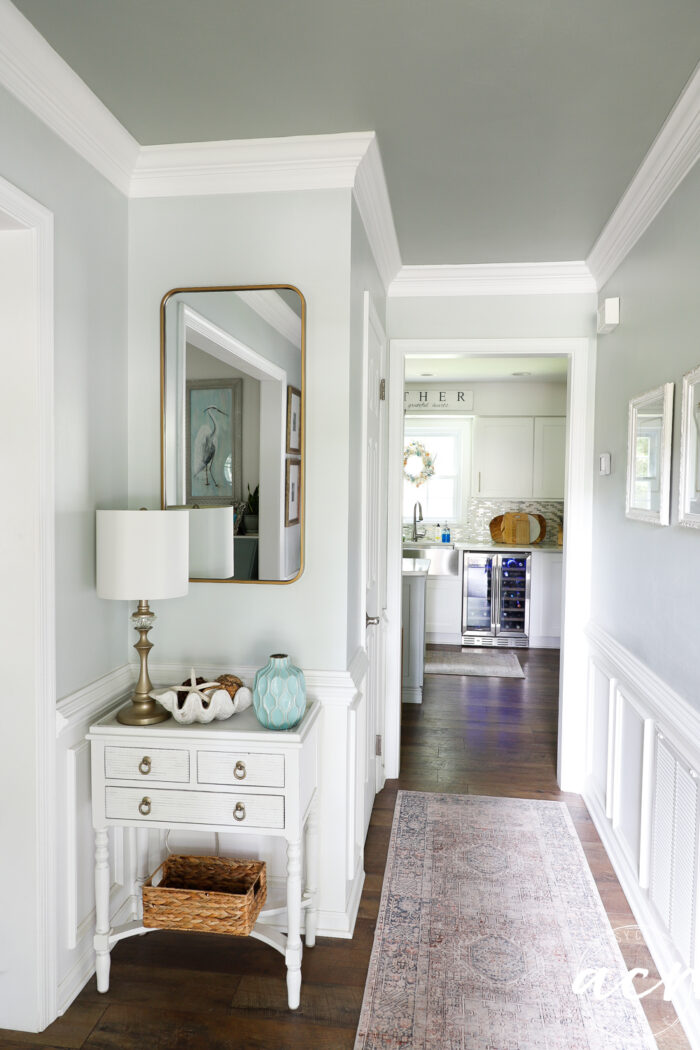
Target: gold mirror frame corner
<point>302,451</point>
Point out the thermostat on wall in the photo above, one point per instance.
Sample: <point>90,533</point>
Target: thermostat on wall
<point>604,463</point>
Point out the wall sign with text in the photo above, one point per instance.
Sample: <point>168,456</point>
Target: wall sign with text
<point>434,399</point>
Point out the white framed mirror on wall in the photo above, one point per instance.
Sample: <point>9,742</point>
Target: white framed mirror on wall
<point>232,405</point>
<point>689,496</point>
<point>649,456</point>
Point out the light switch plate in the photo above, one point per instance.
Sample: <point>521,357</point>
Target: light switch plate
<point>604,463</point>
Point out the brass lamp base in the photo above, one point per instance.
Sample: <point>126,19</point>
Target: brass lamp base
<point>143,710</point>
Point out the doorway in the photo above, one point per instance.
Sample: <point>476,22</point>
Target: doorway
<point>580,356</point>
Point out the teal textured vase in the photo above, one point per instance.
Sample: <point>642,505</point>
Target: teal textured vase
<point>279,693</point>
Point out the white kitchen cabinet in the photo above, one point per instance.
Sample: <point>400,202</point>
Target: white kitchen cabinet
<point>443,609</point>
<point>502,463</point>
<point>549,458</point>
<point>545,599</point>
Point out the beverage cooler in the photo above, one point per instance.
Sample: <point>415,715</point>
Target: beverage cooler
<point>496,598</point>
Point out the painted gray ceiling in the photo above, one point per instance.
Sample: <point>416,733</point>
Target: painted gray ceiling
<point>508,130</point>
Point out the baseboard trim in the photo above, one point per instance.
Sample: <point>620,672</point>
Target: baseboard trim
<point>411,694</point>
<point>664,954</point>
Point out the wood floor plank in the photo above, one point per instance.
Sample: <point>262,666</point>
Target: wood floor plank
<point>139,1026</point>
<point>320,1003</point>
<point>68,1032</point>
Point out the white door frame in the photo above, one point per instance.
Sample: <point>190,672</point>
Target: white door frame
<point>581,353</point>
<point>39,848</point>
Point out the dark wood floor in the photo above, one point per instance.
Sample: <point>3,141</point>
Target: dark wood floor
<point>174,991</point>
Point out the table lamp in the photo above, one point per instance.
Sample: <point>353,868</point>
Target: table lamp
<point>142,552</point>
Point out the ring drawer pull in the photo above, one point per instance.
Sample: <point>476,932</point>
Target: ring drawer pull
<point>239,811</point>
<point>145,806</point>
<point>239,771</point>
<point>145,765</point>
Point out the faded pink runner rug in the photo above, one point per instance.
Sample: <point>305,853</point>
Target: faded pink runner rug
<point>488,915</point>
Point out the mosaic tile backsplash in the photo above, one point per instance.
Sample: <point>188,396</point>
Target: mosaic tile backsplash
<point>480,512</point>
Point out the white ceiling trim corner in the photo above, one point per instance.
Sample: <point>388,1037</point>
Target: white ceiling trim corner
<point>305,162</point>
<point>563,278</point>
<point>670,158</point>
<point>35,74</point>
<point>374,205</point>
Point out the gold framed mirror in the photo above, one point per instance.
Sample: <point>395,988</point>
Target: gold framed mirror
<point>232,372</point>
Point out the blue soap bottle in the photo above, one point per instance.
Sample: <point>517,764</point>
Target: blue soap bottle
<point>445,533</point>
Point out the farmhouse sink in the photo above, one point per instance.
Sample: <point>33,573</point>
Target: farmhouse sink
<point>444,559</point>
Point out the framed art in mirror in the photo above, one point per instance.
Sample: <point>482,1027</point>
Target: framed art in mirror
<point>689,494</point>
<point>232,405</point>
<point>649,456</point>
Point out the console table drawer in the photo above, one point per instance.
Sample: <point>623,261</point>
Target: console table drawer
<point>146,763</point>
<point>194,807</point>
<point>230,767</point>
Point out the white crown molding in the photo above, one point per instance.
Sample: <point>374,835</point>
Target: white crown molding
<point>374,206</point>
<point>269,305</point>
<point>37,75</point>
<point>563,278</point>
<point>672,155</point>
<point>304,162</point>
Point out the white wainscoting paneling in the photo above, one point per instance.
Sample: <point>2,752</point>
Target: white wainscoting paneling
<point>75,915</point>
<point>641,789</point>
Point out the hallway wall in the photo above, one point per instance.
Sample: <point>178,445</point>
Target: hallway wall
<point>90,231</point>
<point>645,578</point>
<point>298,238</point>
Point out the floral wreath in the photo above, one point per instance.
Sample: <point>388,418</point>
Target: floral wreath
<point>416,449</point>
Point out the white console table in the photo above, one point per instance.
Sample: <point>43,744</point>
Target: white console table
<point>230,776</point>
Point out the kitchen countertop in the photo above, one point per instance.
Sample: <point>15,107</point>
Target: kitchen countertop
<point>466,545</point>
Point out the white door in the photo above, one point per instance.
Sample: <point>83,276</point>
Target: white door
<point>374,548</point>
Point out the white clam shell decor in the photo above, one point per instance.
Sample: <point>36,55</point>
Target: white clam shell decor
<point>202,703</point>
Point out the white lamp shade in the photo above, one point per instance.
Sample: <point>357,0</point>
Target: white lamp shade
<point>142,554</point>
<point>211,543</point>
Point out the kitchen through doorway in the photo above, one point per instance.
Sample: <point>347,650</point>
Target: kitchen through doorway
<point>491,425</point>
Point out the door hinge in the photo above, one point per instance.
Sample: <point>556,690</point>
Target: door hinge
<point>382,389</point>
<point>378,744</point>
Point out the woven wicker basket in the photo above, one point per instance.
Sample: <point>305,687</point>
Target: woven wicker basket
<point>205,894</point>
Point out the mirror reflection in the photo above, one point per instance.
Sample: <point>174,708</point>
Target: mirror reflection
<point>649,455</point>
<point>689,508</point>
<point>232,374</point>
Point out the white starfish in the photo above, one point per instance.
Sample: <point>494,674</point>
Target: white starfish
<point>199,690</point>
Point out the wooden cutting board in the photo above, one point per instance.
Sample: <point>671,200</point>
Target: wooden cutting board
<point>536,529</point>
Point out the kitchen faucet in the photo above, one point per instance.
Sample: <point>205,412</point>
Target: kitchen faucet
<point>417,509</point>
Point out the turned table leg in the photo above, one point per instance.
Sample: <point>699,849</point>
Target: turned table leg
<point>102,880</point>
<point>294,948</point>
<point>312,873</point>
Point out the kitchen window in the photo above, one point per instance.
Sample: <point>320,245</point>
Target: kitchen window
<point>443,497</point>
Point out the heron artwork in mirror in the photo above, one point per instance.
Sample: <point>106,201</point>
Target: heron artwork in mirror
<point>232,359</point>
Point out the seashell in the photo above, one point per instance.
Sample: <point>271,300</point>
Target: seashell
<point>230,682</point>
<point>197,700</point>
